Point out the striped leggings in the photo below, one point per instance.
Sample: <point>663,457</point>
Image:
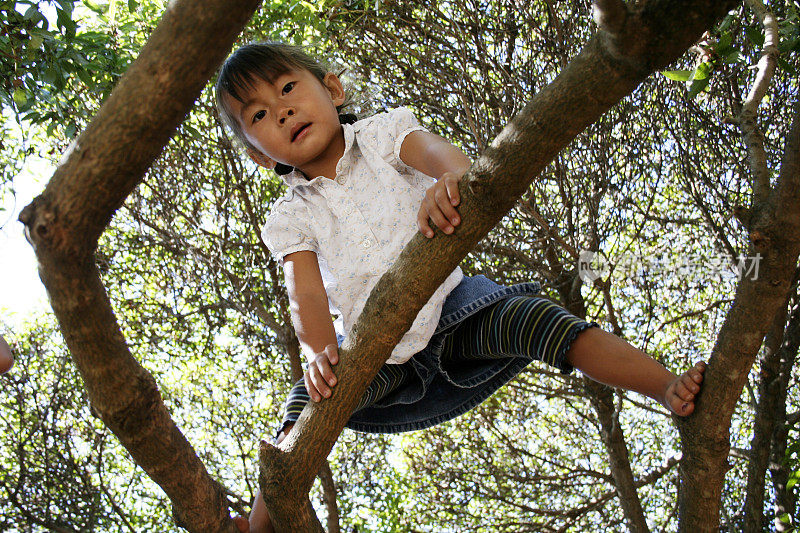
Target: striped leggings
<point>519,326</point>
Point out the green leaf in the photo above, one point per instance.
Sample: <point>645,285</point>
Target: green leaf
<point>85,76</point>
<point>755,35</point>
<point>724,43</point>
<point>35,42</point>
<point>788,45</point>
<point>703,71</point>
<point>785,518</point>
<point>20,96</point>
<point>50,75</point>
<point>71,129</point>
<point>697,86</point>
<point>677,75</point>
<point>726,22</point>
<point>132,5</point>
<point>66,5</point>
<point>793,479</point>
<point>32,14</point>
<point>734,56</point>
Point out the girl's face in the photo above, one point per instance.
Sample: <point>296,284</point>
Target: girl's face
<point>293,121</point>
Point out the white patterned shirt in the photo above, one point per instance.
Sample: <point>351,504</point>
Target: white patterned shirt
<point>358,223</point>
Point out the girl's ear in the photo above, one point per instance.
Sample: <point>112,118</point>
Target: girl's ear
<point>260,159</point>
<point>334,85</point>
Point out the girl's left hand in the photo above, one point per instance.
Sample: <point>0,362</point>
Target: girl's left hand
<point>439,205</point>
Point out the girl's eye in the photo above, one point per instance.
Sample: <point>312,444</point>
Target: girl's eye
<point>288,87</point>
<point>258,116</point>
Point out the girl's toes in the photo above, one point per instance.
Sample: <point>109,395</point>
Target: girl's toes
<point>683,393</point>
<point>680,406</point>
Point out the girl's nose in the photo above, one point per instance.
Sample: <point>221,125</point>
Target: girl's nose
<point>288,112</point>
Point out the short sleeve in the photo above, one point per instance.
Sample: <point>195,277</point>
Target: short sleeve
<point>286,230</point>
<point>385,133</point>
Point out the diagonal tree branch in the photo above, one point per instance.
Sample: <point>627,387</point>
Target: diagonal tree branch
<point>605,71</point>
<point>63,223</point>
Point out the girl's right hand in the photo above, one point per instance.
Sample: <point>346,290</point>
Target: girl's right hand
<point>319,376</point>
<point>439,205</point>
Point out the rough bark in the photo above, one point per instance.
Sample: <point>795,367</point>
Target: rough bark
<point>771,392</point>
<point>775,235</point>
<point>63,224</point>
<point>605,71</point>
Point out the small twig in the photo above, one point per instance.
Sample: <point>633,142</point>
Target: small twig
<point>751,133</point>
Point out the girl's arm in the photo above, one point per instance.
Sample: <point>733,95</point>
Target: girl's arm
<point>311,317</point>
<point>436,157</point>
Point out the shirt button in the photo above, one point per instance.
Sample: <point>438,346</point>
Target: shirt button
<point>340,180</point>
<point>367,243</point>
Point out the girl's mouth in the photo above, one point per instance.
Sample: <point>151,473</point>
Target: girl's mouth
<point>300,131</point>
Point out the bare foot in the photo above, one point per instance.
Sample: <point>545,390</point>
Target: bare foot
<point>680,394</point>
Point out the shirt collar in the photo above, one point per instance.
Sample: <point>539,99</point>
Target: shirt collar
<point>295,178</point>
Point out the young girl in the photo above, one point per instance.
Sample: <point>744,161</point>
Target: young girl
<point>357,191</point>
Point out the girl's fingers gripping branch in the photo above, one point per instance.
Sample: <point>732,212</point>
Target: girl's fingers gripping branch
<point>439,205</point>
<point>319,378</point>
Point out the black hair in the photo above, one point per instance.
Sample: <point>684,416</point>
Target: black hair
<point>265,61</point>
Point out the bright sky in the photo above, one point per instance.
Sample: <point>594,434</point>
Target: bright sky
<point>22,295</point>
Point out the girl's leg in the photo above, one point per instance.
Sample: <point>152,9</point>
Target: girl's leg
<point>525,326</point>
<point>519,326</point>
<point>606,358</point>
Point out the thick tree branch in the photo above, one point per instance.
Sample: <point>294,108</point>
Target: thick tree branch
<point>775,236</point>
<point>103,166</point>
<point>653,36</point>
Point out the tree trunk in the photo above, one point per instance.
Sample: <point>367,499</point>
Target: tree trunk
<point>775,235</point>
<point>770,394</point>
<point>63,223</point>
<point>785,501</point>
<point>602,399</point>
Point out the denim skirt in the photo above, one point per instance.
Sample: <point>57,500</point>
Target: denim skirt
<point>433,394</point>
